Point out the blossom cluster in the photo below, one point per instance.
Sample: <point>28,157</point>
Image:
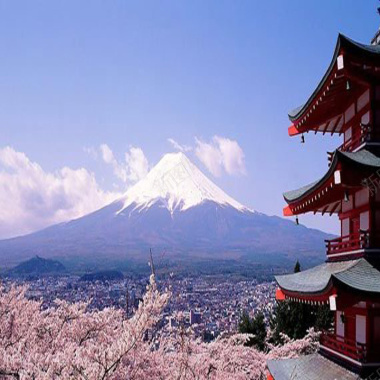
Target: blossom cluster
<point>69,341</point>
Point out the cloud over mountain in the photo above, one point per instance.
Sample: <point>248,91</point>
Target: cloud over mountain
<point>130,170</point>
<point>32,198</point>
<point>220,155</point>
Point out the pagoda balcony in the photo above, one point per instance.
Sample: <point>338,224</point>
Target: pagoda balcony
<point>347,347</point>
<point>357,139</point>
<point>347,243</point>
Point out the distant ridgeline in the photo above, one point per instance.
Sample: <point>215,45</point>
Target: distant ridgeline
<point>38,266</point>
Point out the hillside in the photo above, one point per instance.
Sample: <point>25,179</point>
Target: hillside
<point>38,266</point>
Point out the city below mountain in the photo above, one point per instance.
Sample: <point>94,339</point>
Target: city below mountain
<point>179,212</point>
<point>107,275</point>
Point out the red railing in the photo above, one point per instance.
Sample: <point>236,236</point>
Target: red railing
<point>357,139</point>
<point>347,347</point>
<point>347,243</point>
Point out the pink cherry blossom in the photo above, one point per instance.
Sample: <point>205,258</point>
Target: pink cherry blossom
<point>69,341</point>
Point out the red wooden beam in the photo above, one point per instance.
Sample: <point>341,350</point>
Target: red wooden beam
<point>334,208</point>
<point>293,131</point>
<point>280,296</point>
<point>325,209</point>
<point>287,211</point>
<point>336,125</point>
<point>325,129</point>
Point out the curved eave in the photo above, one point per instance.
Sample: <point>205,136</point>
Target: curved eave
<point>299,295</point>
<point>363,158</point>
<point>343,44</point>
<point>321,294</point>
<point>301,193</point>
<point>322,281</point>
<point>314,281</point>
<point>317,281</point>
<point>298,112</point>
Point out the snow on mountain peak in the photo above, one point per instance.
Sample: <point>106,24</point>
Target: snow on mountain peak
<point>177,182</point>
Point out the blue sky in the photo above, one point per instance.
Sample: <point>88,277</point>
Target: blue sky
<point>76,75</point>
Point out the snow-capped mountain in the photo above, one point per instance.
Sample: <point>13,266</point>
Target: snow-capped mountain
<point>176,208</point>
<point>178,184</point>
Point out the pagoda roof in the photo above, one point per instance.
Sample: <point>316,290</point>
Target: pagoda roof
<point>308,367</point>
<point>293,195</point>
<point>362,158</point>
<point>333,80</point>
<point>349,45</point>
<point>361,275</point>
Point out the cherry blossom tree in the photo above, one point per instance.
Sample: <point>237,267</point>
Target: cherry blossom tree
<point>69,341</point>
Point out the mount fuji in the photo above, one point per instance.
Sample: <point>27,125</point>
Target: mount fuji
<point>175,209</point>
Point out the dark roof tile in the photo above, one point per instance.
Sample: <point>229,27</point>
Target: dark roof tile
<point>360,274</point>
<point>309,367</point>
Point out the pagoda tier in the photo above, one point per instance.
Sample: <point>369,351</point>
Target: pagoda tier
<point>351,189</point>
<point>347,174</point>
<point>352,289</point>
<point>343,100</point>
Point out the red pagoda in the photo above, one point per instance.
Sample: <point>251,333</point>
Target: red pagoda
<point>347,103</point>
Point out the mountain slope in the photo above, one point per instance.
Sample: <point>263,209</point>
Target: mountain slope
<point>176,208</point>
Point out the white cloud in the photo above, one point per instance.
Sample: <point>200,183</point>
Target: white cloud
<point>107,154</point>
<point>221,155</point>
<point>232,155</point>
<point>210,156</point>
<point>31,198</point>
<point>177,146</point>
<point>134,167</point>
<point>136,164</point>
